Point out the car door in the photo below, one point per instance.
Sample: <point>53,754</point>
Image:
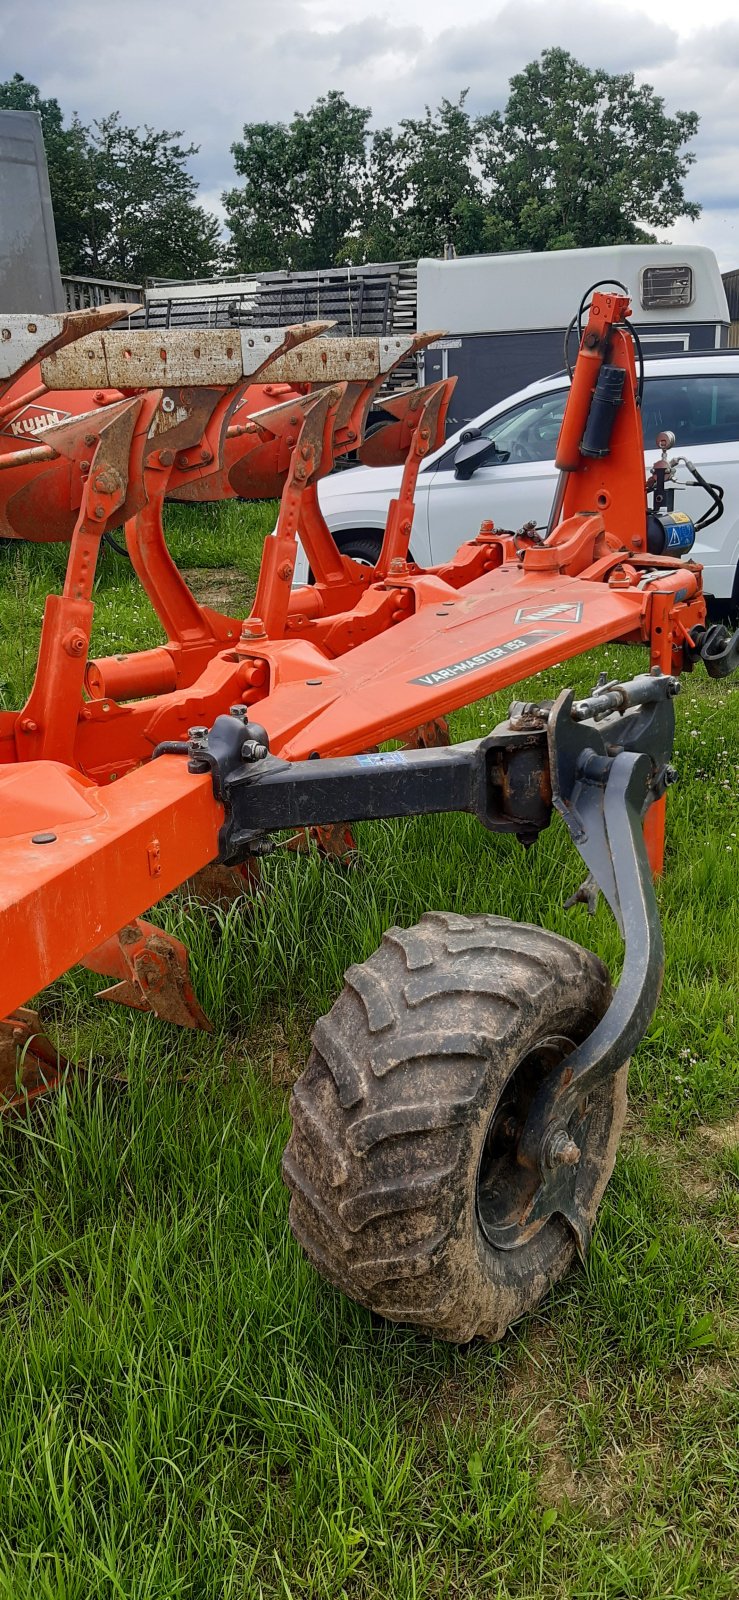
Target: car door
<point>702,410</point>
<point>514,488</point>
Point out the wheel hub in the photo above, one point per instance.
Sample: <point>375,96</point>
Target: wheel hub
<point>515,1199</point>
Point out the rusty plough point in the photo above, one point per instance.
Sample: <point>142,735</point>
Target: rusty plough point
<point>429,736</point>
<point>335,840</point>
<point>153,970</point>
<point>389,443</point>
<point>220,885</point>
<point>30,1064</point>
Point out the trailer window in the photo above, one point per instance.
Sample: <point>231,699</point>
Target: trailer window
<point>697,410</point>
<point>666,288</point>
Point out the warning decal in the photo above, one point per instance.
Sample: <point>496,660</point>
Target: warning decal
<point>562,611</point>
<point>382,758</point>
<point>497,652</point>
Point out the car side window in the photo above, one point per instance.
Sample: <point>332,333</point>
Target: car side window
<point>530,432</point>
<point>697,410</point>
<point>527,433</point>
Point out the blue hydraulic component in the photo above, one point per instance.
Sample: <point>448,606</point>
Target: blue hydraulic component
<point>679,532</point>
<point>669,533</point>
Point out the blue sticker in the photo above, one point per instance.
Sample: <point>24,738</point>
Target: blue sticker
<point>383,758</point>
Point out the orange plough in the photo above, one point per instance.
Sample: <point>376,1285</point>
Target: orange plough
<point>453,1188</point>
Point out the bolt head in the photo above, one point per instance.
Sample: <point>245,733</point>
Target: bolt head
<point>252,750</point>
<point>560,1150</point>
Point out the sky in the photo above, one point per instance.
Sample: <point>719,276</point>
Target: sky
<point>209,66</point>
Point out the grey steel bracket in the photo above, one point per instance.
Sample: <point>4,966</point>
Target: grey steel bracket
<point>600,763</point>
<point>603,799</point>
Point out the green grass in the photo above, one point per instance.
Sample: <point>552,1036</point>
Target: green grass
<point>188,1411</point>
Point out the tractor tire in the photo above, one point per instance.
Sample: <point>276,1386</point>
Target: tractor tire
<point>406,1120</point>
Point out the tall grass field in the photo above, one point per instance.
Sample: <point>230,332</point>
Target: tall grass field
<point>188,1412</point>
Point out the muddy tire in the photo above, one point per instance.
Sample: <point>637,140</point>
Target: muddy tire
<point>436,1045</point>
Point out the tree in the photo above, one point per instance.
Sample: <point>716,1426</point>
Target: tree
<point>142,217</point>
<point>67,158</point>
<point>124,201</point>
<point>582,157</point>
<point>442,201</point>
<point>578,157</point>
<point>302,197</point>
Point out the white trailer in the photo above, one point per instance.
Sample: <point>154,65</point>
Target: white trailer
<point>505,316</point>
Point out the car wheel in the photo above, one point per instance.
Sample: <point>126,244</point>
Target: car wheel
<point>361,545</point>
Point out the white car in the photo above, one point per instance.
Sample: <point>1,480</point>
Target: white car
<point>696,397</point>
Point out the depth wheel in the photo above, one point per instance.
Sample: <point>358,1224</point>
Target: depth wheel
<point>402,1157</point>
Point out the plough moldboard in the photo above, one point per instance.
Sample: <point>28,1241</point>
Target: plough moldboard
<point>458,1119</point>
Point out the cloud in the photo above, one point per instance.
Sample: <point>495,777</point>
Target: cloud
<point>176,64</point>
<point>355,45</point>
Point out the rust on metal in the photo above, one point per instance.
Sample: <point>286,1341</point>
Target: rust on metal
<point>220,885</point>
<point>338,359</point>
<point>149,358</point>
<point>26,340</point>
<point>334,840</point>
<point>428,736</point>
<point>30,1064</point>
<point>153,972</point>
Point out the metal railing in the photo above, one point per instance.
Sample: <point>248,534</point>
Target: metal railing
<point>82,293</point>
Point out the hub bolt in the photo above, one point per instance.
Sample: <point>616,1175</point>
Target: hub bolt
<point>560,1150</point>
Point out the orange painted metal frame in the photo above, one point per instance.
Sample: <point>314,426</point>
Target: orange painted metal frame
<point>315,665</point>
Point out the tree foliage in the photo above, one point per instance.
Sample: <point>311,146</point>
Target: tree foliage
<point>578,157</point>
<point>583,157</point>
<point>304,187</point>
<point>124,200</point>
<point>142,219</point>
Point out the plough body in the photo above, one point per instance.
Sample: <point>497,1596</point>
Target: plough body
<point>123,776</point>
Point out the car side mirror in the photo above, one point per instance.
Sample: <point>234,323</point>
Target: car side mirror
<point>473,453</point>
